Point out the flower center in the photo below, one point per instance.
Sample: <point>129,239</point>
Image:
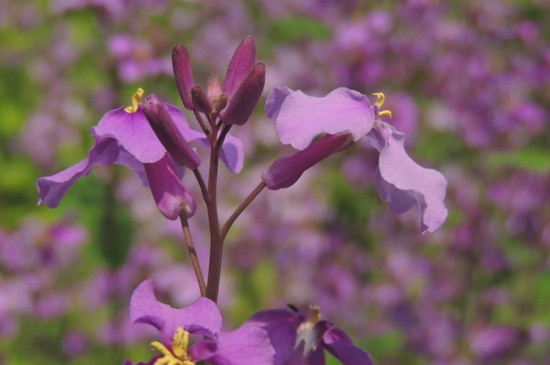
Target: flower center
<point>380,98</point>
<point>178,355</point>
<point>306,332</point>
<point>136,100</point>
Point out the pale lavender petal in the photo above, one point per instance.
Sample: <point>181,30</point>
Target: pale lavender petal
<point>339,345</point>
<point>133,133</point>
<point>274,101</point>
<point>245,346</point>
<point>168,190</point>
<point>52,188</point>
<point>402,181</point>
<point>240,65</point>
<point>144,308</point>
<point>300,118</point>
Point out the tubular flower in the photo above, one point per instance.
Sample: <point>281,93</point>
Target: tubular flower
<point>123,136</point>
<point>245,345</point>
<point>243,86</point>
<point>300,340</point>
<point>400,181</point>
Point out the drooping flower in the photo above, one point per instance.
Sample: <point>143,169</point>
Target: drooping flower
<point>243,86</point>
<point>245,345</point>
<point>124,136</point>
<point>301,118</point>
<point>298,340</point>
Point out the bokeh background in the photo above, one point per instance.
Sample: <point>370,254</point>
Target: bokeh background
<point>468,82</point>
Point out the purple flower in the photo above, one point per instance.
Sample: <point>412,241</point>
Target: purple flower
<point>301,118</point>
<point>299,341</point>
<point>124,136</point>
<point>245,345</point>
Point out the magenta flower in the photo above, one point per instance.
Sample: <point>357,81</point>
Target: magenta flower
<point>124,136</point>
<point>299,341</point>
<point>301,118</point>
<point>245,345</point>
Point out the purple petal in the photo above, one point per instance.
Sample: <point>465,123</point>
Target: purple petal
<point>240,65</point>
<point>281,326</point>
<point>133,133</point>
<point>300,118</point>
<point>246,96</point>
<point>285,171</point>
<point>183,74</point>
<point>339,345</point>
<point>168,190</point>
<point>245,346</point>
<point>144,308</point>
<point>52,188</point>
<point>403,182</point>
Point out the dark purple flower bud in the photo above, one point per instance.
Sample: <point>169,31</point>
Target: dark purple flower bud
<point>183,74</point>
<point>240,65</point>
<point>285,171</point>
<point>169,135</point>
<point>200,101</point>
<point>245,98</point>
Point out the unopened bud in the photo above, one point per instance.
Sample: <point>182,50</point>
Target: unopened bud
<point>183,74</point>
<point>240,65</point>
<point>245,98</point>
<point>168,133</point>
<point>285,171</point>
<point>200,101</point>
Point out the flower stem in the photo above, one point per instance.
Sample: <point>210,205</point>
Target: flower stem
<point>245,203</point>
<point>192,253</point>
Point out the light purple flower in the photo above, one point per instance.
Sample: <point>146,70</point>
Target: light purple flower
<point>301,118</point>
<point>299,341</point>
<point>245,345</point>
<point>124,136</point>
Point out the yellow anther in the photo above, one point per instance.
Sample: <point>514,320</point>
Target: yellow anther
<point>315,313</point>
<point>181,341</point>
<point>380,97</point>
<point>136,100</point>
<point>178,355</point>
<point>384,113</point>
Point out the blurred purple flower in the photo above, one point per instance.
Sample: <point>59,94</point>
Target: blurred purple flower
<point>124,136</point>
<point>245,345</point>
<point>301,118</point>
<point>298,340</point>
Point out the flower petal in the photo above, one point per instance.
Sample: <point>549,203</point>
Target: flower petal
<point>52,188</point>
<point>300,118</point>
<point>281,325</point>
<point>133,133</point>
<point>144,308</point>
<point>168,190</point>
<point>244,346</point>
<point>403,182</point>
<point>339,345</point>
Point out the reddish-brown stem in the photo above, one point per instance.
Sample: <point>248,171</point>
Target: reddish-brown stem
<point>192,252</point>
<point>245,203</point>
<point>201,123</point>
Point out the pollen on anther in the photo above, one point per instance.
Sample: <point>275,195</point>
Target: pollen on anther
<point>136,101</point>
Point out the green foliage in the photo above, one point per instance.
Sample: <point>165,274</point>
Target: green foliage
<point>298,28</point>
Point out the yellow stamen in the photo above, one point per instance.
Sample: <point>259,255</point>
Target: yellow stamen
<point>380,98</point>
<point>315,313</point>
<point>179,355</point>
<point>136,100</point>
<point>383,113</point>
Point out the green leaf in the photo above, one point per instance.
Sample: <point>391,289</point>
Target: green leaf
<point>297,28</point>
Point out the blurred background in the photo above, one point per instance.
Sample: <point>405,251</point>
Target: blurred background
<point>468,82</point>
